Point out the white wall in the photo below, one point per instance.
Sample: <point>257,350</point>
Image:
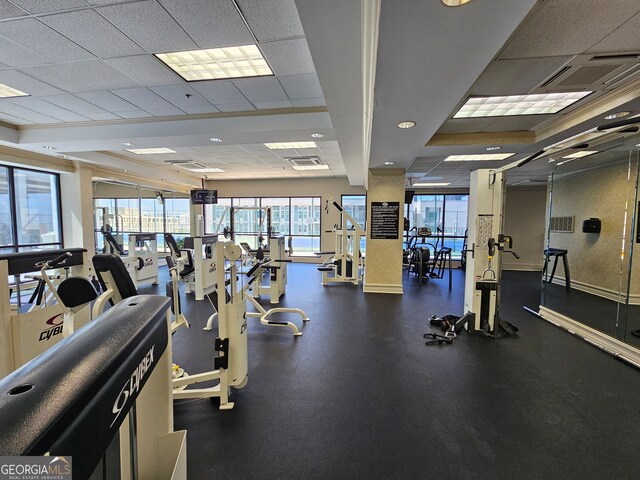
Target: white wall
<point>524,220</point>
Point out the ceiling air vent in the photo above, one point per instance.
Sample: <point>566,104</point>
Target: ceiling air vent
<point>307,163</point>
<point>554,77</point>
<point>185,163</point>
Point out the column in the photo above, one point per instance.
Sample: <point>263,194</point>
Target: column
<point>385,213</point>
<point>77,209</point>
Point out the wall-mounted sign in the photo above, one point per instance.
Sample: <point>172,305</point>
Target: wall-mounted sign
<point>385,220</point>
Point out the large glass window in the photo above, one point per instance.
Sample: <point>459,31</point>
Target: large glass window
<point>298,217</point>
<point>356,206</point>
<point>6,234</point>
<point>445,215</point>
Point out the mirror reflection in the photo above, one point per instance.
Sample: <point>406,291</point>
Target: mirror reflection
<point>589,274</point>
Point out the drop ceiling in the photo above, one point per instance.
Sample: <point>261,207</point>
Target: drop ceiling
<point>95,84</point>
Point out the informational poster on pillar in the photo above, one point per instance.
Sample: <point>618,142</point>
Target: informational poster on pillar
<point>385,220</point>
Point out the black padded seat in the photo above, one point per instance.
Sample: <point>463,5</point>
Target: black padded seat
<point>76,291</point>
<point>189,268</point>
<point>111,240</point>
<point>113,264</point>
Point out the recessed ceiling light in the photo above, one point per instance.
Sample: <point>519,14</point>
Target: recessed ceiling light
<point>613,116</point>
<point>206,170</point>
<point>150,151</point>
<point>491,149</point>
<point>580,154</point>
<point>455,3</point>
<point>127,144</point>
<point>7,92</point>
<point>48,147</point>
<point>216,63</point>
<point>508,105</point>
<point>66,157</point>
<point>125,170</point>
<point>317,135</point>
<point>426,184</point>
<point>216,140</point>
<point>283,145</point>
<point>310,167</point>
<point>407,124</point>
<point>478,157</point>
<point>389,163</point>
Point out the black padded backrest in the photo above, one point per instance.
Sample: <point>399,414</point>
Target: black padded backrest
<point>111,240</point>
<point>113,264</point>
<point>170,262</point>
<point>173,245</point>
<point>290,245</point>
<point>76,291</point>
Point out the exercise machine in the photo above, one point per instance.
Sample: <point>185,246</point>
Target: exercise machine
<point>346,262</point>
<point>483,273</point>
<point>141,260</point>
<point>26,334</point>
<point>267,267</point>
<point>203,280</point>
<point>107,383</point>
<point>231,363</point>
<point>276,285</point>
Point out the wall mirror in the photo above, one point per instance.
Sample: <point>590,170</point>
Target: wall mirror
<point>590,275</point>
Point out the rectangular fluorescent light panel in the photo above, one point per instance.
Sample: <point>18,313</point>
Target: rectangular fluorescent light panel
<point>6,91</point>
<point>284,145</point>
<point>504,106</point>
<point>580,154</point>
<point>149,151</point>
<point>425,184</point>
<point>478,157</point>
<point>310,167</point>
<point>217,63</point>
<point>206,170</point>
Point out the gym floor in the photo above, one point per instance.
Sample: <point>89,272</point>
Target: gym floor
<point>359,395</point>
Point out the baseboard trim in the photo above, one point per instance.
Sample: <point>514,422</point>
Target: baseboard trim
<point>597,291</point>
<point>611,345</point>
<point>383,288</point>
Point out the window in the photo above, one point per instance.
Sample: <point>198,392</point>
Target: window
<point>30,216</point>
<point>356,206</point>
<point>445,212</point>
<point>298,217</point>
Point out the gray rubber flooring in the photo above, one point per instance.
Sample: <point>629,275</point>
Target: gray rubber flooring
<point>359,395</point>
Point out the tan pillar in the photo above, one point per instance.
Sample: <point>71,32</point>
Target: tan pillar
<point>383,271</point>
<point>77,209</point>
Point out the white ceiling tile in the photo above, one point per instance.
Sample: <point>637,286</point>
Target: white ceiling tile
<point>272,19</point>
<point>624,39</point>
<point>102,2</point>
<point>177,95</point>
<point>211,23</point>
<point>49,109</point>
<point>277,104</point>
<point>16,56</point>
<point>8,10</point>
<point>39,6</point>
<point>4,117</point>
<point>93,32</point>
<point>463,125</point>
<point>135,114</point>
<point>25,113</point>
<point>196,109</point>
<point>103,116</point>
<point>563,28</point>
<point>74,104</point>
<point>309,102</point>
<point>37,37</point>
<point>108,101</point>
<point>504,77</point>
<point>301,86</point>
<point>25,83</point>
<point>85,76</point>
<point>143,98</point>
<point>263,89</point>
<point>288,57</point>
<point>165,112</point>
<point>149,25</point>
<point>219,91</point>
<point>146,70</point>
<point>235,107</point>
